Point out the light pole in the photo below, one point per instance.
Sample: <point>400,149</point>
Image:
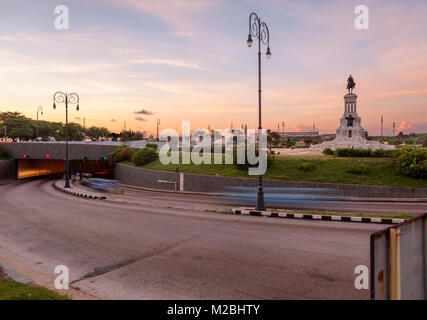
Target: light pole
<point>259,30</point>
<point>72,98</point>
<point>39,109</point>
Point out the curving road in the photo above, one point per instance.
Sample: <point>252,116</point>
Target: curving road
<point>141,251</point>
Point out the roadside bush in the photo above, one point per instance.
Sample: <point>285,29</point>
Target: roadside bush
<point>152,145</point>
<point>358,168</point>
<point>412,162</point>
<point>365,153</point>
<point>381,153</point>
<point>307,166</point>
<point>328,151</point>
<point>351,152</point>
<point>122,153</point>
<point>4,153</point>
<point>145,156</point>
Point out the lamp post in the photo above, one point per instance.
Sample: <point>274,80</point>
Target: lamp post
<point>39,109</point>
<point>259,30</point>
<point>72,98</point>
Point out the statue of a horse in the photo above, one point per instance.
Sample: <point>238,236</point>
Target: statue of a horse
<point>350,84</point>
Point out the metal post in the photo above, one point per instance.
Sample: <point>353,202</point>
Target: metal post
<point>37,125</point>
<point>260,204</point>
<point>39,109</point>
<point>72,98</point>
<point>259,29</point>
<point>67,167</point>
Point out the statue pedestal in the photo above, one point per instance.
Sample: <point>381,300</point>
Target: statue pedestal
<point>350,133</point>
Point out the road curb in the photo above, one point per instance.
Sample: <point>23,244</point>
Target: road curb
<point>78,192</point>
<point>14,275</point>
<point>285,215</point>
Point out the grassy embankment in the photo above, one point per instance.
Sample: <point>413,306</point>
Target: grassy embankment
<point>10,290</point>
<point>327,169</point>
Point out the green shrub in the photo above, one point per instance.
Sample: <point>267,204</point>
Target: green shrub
<point>145,156</point>
<point>4,153</point>
<point>381,153</point>
<point>412,162</point>
<point>121,153</point>
<point>307,166</point>
<point>365,153</point>
<point>152,145</point>
<point>357,168</point>
<point>351,152</point>
<point>328,151</point>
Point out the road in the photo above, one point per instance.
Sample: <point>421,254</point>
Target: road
<point>201,202</point>
<point>124,251</point>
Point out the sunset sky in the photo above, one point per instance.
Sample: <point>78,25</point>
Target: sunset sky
<point>188,60</point>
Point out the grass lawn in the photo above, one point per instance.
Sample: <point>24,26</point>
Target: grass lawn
<point>327,169</point>
<point>10,290</point>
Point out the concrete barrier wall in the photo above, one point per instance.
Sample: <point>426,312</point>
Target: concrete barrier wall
<point>205,183</point>
<point>145,178</point>
<point>38,150</point>
<point>76,149</point>
<point>7,169</point>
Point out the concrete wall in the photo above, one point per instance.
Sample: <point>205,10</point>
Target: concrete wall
<point>38,150</point>
<point>145,178</point>
<point>205,183</point>
<point>7,169</point>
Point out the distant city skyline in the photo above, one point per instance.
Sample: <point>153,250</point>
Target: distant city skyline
<point>139,61</point>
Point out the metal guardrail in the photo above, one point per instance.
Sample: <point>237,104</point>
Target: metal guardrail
<point>399,261</point>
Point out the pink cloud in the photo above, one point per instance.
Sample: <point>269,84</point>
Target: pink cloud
<point>404,126</point>
<point>301,127</point>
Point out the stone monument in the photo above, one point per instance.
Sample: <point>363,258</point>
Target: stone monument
<point>350,133</point>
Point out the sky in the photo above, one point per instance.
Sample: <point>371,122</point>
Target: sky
<point>138,61</point>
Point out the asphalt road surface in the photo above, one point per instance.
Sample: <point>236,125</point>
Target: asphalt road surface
<point>125,251</point>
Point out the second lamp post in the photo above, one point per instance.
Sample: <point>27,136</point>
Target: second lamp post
<point>39,110</point>
<point>259,30</point>
<point>72,98</point>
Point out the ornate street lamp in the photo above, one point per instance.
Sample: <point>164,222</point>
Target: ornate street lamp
<point>39,110</point>
<point>259,30</point>
<point>72,98</point>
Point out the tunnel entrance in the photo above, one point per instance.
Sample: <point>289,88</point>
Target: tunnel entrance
<point>43,167</point>
<point>36,168</point>
<point>99,168</point>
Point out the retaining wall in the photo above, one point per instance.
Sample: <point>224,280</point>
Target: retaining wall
<point>7,169</point>
<point>206,183</point>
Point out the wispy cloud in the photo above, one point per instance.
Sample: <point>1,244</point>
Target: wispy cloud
<point>140,119</point>
<point>170,62</point>
<point>143,111</point>
<point>174,12</point>
<point>183,34</point>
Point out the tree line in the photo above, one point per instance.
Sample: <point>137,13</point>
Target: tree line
<point>18,127</point>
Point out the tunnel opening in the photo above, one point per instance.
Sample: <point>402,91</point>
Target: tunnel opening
<point>28,168</point>
<point>99,168</point>
<point>37,168</point>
